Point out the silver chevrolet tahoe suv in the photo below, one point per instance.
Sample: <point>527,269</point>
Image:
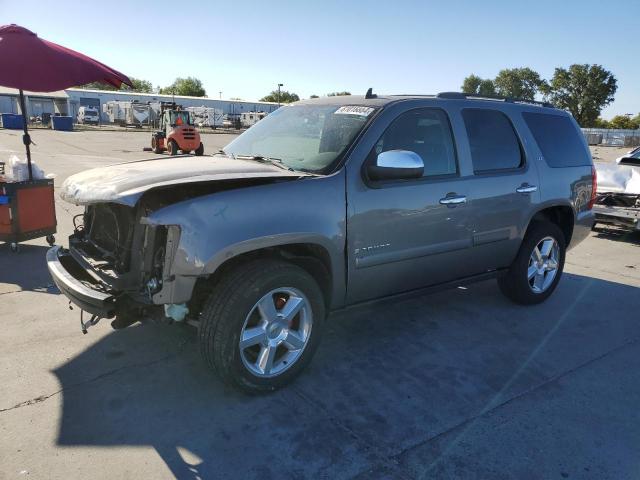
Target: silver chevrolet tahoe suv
<point>324,204</point>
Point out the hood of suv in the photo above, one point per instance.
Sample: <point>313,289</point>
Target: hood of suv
<point>125,183</point>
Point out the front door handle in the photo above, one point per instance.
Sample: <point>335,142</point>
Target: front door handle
<point>453,200</point>
<point>527,188</point>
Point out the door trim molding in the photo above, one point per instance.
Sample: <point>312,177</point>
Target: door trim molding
<point>411,253</point>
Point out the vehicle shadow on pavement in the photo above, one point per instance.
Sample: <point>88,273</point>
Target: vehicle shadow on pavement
<point>25,270</point>
<point>394,389</point>
<point>618,235</point>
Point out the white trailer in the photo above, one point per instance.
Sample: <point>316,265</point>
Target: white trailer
<point>206,116</point>
<point>248,119</point>
<point>129,113</point>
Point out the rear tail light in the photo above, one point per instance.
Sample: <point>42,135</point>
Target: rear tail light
<point>594,187</point>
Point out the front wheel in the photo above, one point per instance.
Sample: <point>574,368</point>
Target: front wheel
<point>536,271</point>
<point>172,147</point>
<point>262,324</point>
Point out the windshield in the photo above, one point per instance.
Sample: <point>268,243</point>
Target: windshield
<point>180,118</point>
<point>303,137</point>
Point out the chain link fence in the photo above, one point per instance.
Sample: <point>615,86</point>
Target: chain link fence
<point>612,137</point>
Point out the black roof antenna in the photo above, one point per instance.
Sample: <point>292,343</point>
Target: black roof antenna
<point>370,94</point>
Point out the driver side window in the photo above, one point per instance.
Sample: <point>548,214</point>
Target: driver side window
<point>426,132</point>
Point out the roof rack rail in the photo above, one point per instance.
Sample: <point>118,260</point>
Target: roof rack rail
<point>477,96</point>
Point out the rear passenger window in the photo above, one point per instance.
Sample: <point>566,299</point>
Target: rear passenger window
<point>558,139</point>
<point>425,132</point>
<point>493,141</point>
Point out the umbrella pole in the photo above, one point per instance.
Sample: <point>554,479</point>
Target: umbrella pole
<point>26,139</point>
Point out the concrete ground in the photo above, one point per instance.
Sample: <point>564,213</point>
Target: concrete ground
<point>459,384</point>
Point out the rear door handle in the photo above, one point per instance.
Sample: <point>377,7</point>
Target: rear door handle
<point>453,200</point>
<point>527,189</point>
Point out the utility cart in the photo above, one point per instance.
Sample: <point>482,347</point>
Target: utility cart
<point>27,211</point>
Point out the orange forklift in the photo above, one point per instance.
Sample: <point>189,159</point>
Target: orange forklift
<point>176,132</point>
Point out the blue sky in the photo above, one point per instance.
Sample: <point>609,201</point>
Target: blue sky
<point>244,48</point>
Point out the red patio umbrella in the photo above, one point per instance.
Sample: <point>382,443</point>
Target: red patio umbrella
<point>30,63</point>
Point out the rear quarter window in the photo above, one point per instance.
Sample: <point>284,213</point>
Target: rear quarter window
<point>558,139</point>
<point>492,139</point>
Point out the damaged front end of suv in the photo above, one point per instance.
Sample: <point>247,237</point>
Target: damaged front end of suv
<point>120,259</point>
<point>123,261</point>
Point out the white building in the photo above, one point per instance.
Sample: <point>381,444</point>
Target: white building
<point>37,102</point>
<point>67,102</point>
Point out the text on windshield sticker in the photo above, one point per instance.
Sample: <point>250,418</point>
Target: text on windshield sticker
<point>354,110</point>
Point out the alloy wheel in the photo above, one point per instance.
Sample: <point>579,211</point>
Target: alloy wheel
<point>276,332</point>
<point>543,264</point>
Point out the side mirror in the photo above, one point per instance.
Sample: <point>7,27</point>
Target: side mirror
<point>396,165</point>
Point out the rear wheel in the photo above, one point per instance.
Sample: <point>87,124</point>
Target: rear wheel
<point>262,324</point>
<point>200,150</point>
<point>537,269</point>
<point>172,146</point>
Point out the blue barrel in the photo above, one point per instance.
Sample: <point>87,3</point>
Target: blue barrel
<point>12,121</point>
<point>62,123</point>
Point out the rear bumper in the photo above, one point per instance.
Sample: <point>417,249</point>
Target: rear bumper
<point>582,227</point>
<point>92,300</point>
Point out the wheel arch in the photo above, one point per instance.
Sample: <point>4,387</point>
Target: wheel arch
<point>312,257</point>
<point>561,215</point>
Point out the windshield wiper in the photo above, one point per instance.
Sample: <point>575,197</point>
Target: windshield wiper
<point>263,159</point>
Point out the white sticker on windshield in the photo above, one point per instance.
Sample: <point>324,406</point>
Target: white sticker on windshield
<point>354,110</point>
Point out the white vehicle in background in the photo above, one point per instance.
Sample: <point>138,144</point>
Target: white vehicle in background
<point>206,116</point>
<point>132,114</point>
<point>248,119</point>
<point>629,156</point>
<point>88,115</point>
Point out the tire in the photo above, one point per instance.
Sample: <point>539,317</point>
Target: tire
<point>172,146</point>
<point>517,285</point>
<point>51,240</point>
<point>231,308</point>
<point>155,145</point>
<point>200,150</point>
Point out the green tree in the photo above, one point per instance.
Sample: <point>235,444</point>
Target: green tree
<point>99,86</point>
<point>285,97</point>
<point>141,86</point>
<point>584,90</point>
<point>623,121</point>
<point>189,87</point>
<point>601,123</point>
<point>518,83</point>
<point>338,94</point>
<point>477,85</point>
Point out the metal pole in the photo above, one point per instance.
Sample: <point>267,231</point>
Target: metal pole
<point>26,139</point>
<point>279,85</point>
